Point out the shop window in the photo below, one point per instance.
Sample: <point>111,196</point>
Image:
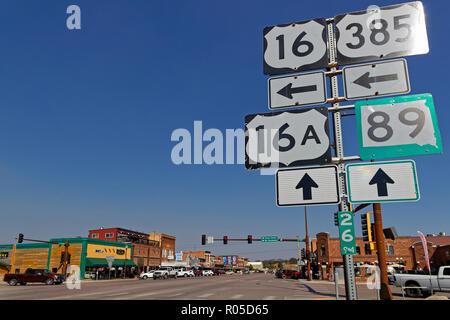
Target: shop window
<point>390,249</point>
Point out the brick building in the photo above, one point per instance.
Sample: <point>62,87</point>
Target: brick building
<point>205,258</point>
<point>146,252</point>
<point>406,251</point>
<point>167,245</point>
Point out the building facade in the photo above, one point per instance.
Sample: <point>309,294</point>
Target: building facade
<point>146,252</point>
<point>167,245</point>
<point>405,251</point>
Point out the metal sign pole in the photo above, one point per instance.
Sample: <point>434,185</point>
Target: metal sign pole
<point>349,272</point>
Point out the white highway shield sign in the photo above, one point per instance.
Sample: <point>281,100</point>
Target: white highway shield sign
<point>381,33</point>
<point>307,186</point>
<point>382,182</point>
<point>295,47</point>
<point>397,127</point>
<point>287,139</point>
<point>297,90</point>
<point>376,79</point>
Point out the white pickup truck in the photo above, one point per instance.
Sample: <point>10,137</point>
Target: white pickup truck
<point>416,285</point>
<point>183,272</point>
<point>164,273</point>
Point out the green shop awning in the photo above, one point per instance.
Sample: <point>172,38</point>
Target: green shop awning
<point>99,262</point>
<point>4,264</point>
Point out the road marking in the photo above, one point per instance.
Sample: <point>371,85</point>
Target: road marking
<point>205,295</point>
<point>138,295</point>
<point>117,294</point>
<point>237,296</point>
<point>176,294</point>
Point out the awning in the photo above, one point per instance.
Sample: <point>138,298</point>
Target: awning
<point>4,264</point>
<point>99,262</point>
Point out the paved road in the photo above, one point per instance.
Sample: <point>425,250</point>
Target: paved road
<point>225,287</point>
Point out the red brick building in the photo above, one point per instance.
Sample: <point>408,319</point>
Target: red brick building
<point>167,245</point>
<point>407,251</point>
<point>146,252</point>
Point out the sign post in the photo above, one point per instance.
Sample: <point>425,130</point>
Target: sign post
<point>349,272</point>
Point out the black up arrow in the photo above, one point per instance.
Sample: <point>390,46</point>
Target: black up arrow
<point>381,179</point>
<point>365,80</point>
<point>287,91</point>
<point>307,184</point>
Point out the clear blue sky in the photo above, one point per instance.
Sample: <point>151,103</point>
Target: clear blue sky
<point>86,118</point>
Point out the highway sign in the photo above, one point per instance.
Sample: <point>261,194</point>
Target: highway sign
<point>376,79</point>
<point>381,33</point>
<point>110,260</point>
<point>382,182</point>
<point>297,90</point>
<point>269,239</point>
<point>347,232</point>
<point>295,47</point>
<point>307,186</point>
<point>397,127</point>
<point>287,138</point>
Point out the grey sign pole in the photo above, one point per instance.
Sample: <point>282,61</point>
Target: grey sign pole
<point>349,272</point>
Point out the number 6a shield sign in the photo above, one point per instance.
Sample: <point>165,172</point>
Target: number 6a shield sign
<point>288,138</point>
<point>397,127</point>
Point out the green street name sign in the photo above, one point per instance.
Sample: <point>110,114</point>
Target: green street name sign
<point>269,239</point>
<point>397,127</point>
<point>347,232</point>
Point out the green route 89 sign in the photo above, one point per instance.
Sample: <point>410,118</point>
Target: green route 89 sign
<point>397,127</point>
<point>347,232</point>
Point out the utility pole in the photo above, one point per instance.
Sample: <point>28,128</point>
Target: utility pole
<point>66,258</point>
<point>299,256</point>
<point>308,253</point>
<point>385,291</point>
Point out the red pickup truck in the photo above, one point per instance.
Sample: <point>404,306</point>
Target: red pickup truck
<point>33,275</point>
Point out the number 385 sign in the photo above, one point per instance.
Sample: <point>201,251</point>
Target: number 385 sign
<point>347,232</point>
<point>397,127</point>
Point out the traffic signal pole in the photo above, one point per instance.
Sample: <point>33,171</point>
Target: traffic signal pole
<point>349,272</point>
<point>308,252</point>
<point>385,291</point>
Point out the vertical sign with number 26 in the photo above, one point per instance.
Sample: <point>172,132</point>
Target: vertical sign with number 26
<point>347,232</point>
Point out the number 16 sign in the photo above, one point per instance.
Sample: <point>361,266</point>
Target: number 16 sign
<point>397,127</point>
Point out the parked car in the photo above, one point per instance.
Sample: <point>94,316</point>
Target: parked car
<point>229,272</point>
<point>183,272</point>
<point>33,275</point>
<point>146,275</point>
<point>164,273</point>
<point>417,285</point>
<point>219,272</point>
<point>207,272</point>
<point>288,274</point>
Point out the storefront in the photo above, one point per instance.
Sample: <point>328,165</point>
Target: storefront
<point>100,259</point>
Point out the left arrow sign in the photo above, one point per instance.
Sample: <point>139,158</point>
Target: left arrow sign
<point>306,183</point>
<point>297,90</point>
<point>287,91</point>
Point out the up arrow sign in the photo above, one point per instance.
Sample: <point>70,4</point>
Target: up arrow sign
<point>381,179</point>
<point>306,183</point>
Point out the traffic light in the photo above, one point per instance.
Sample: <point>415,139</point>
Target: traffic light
<point>225,240</point>
<point>366,227</point>
<point>203,239</point>
<point>249,239</point>
<point>308,255</point>
<point>20,239</point>
<point>303,254</point>
<point>336,220</point>
<point>367,248</point>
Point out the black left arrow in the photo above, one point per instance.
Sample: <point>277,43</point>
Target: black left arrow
<point>365,80</point>
<point>307,183</point>
<point>287,91</point>
<point>381,179</point>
